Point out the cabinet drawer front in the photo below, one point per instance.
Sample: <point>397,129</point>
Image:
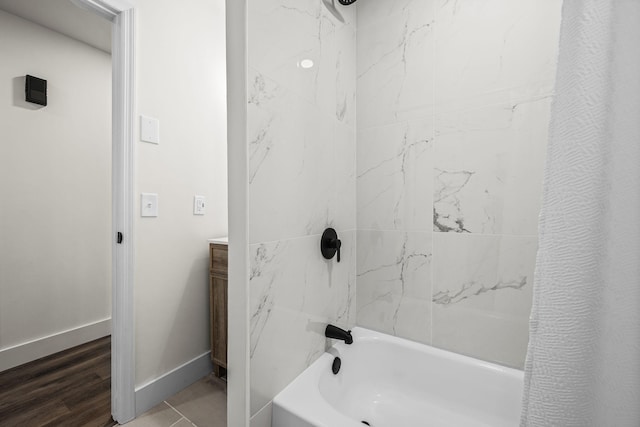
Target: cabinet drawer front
<point>219,258</point>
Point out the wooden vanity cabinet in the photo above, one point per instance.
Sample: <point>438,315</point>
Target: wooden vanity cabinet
<point>218,285</point>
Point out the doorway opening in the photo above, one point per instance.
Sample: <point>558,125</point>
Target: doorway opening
<point>67,191</point>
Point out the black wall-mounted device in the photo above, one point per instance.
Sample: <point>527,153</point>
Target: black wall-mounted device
<point>330,244</point>
<point>35,90</point>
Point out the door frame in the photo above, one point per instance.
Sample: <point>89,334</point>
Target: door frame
<point>121,14</point>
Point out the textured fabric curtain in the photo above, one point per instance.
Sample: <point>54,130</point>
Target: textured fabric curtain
<point>583,362</point>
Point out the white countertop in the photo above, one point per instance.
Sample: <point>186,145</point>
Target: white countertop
<point>220,240</point>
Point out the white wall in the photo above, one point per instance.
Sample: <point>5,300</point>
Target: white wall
<point>453,111</point>
<point>55,191</point>
<point>180,81</point>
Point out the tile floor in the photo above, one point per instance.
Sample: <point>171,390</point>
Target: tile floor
<point>202,404</point>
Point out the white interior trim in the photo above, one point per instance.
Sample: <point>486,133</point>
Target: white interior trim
<point>41,347</point>
<point>122,350</point>
<point>96,7</point>
<point>238,385</point>
<point>122,15</point>
<point>159,389</point>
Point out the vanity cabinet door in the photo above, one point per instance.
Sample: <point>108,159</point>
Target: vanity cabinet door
<point>218,284</point>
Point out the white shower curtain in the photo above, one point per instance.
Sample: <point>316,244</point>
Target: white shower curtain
<point>583,362</point>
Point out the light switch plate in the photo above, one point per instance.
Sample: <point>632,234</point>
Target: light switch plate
<point>198,205</point>
<point>149,130</point>
<point>149,204</point>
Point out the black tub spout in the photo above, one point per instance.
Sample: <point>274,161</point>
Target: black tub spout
<point>339,334</point>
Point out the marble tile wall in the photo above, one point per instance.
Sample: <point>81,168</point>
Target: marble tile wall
<point>453,109</point>
<point>302,179</point>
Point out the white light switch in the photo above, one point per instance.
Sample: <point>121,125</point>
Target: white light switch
<point>198,205</point>
<point>148,204</point>
<point>149,130</point>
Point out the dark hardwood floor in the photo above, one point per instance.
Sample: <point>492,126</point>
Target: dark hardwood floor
<point>70,388</point>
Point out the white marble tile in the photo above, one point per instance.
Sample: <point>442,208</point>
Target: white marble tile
<point>345,75</point>
<point>342,208</point>
<point>517,259</point>
<point>375,11</point>
<point>525,167</point>
<point>476,333</point>
<point>293,341</point>
<point>465,266</point>
<point>469,158</point>
<point>488,170</point>
<point>394,283</point>
<point>395,67</point>
<point>295,292</point>
<point>490,51</point>
<point>283,33</point>
<point>395,179</point>
<point>482,287</point>
<point>291,166</point>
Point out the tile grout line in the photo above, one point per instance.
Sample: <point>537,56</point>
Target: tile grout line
<point>182,418</point>
<point>180,413</point>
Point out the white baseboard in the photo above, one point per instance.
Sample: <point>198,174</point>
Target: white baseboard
<point>154,392</point>
<point>262,418</point>
<point>41,347</point>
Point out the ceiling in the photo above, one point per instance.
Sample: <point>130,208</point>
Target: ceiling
<point>64,17</point>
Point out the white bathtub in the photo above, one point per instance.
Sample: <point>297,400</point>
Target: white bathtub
<point>391,382</point>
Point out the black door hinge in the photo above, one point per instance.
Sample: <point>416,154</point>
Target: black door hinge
<point>119,239</point>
